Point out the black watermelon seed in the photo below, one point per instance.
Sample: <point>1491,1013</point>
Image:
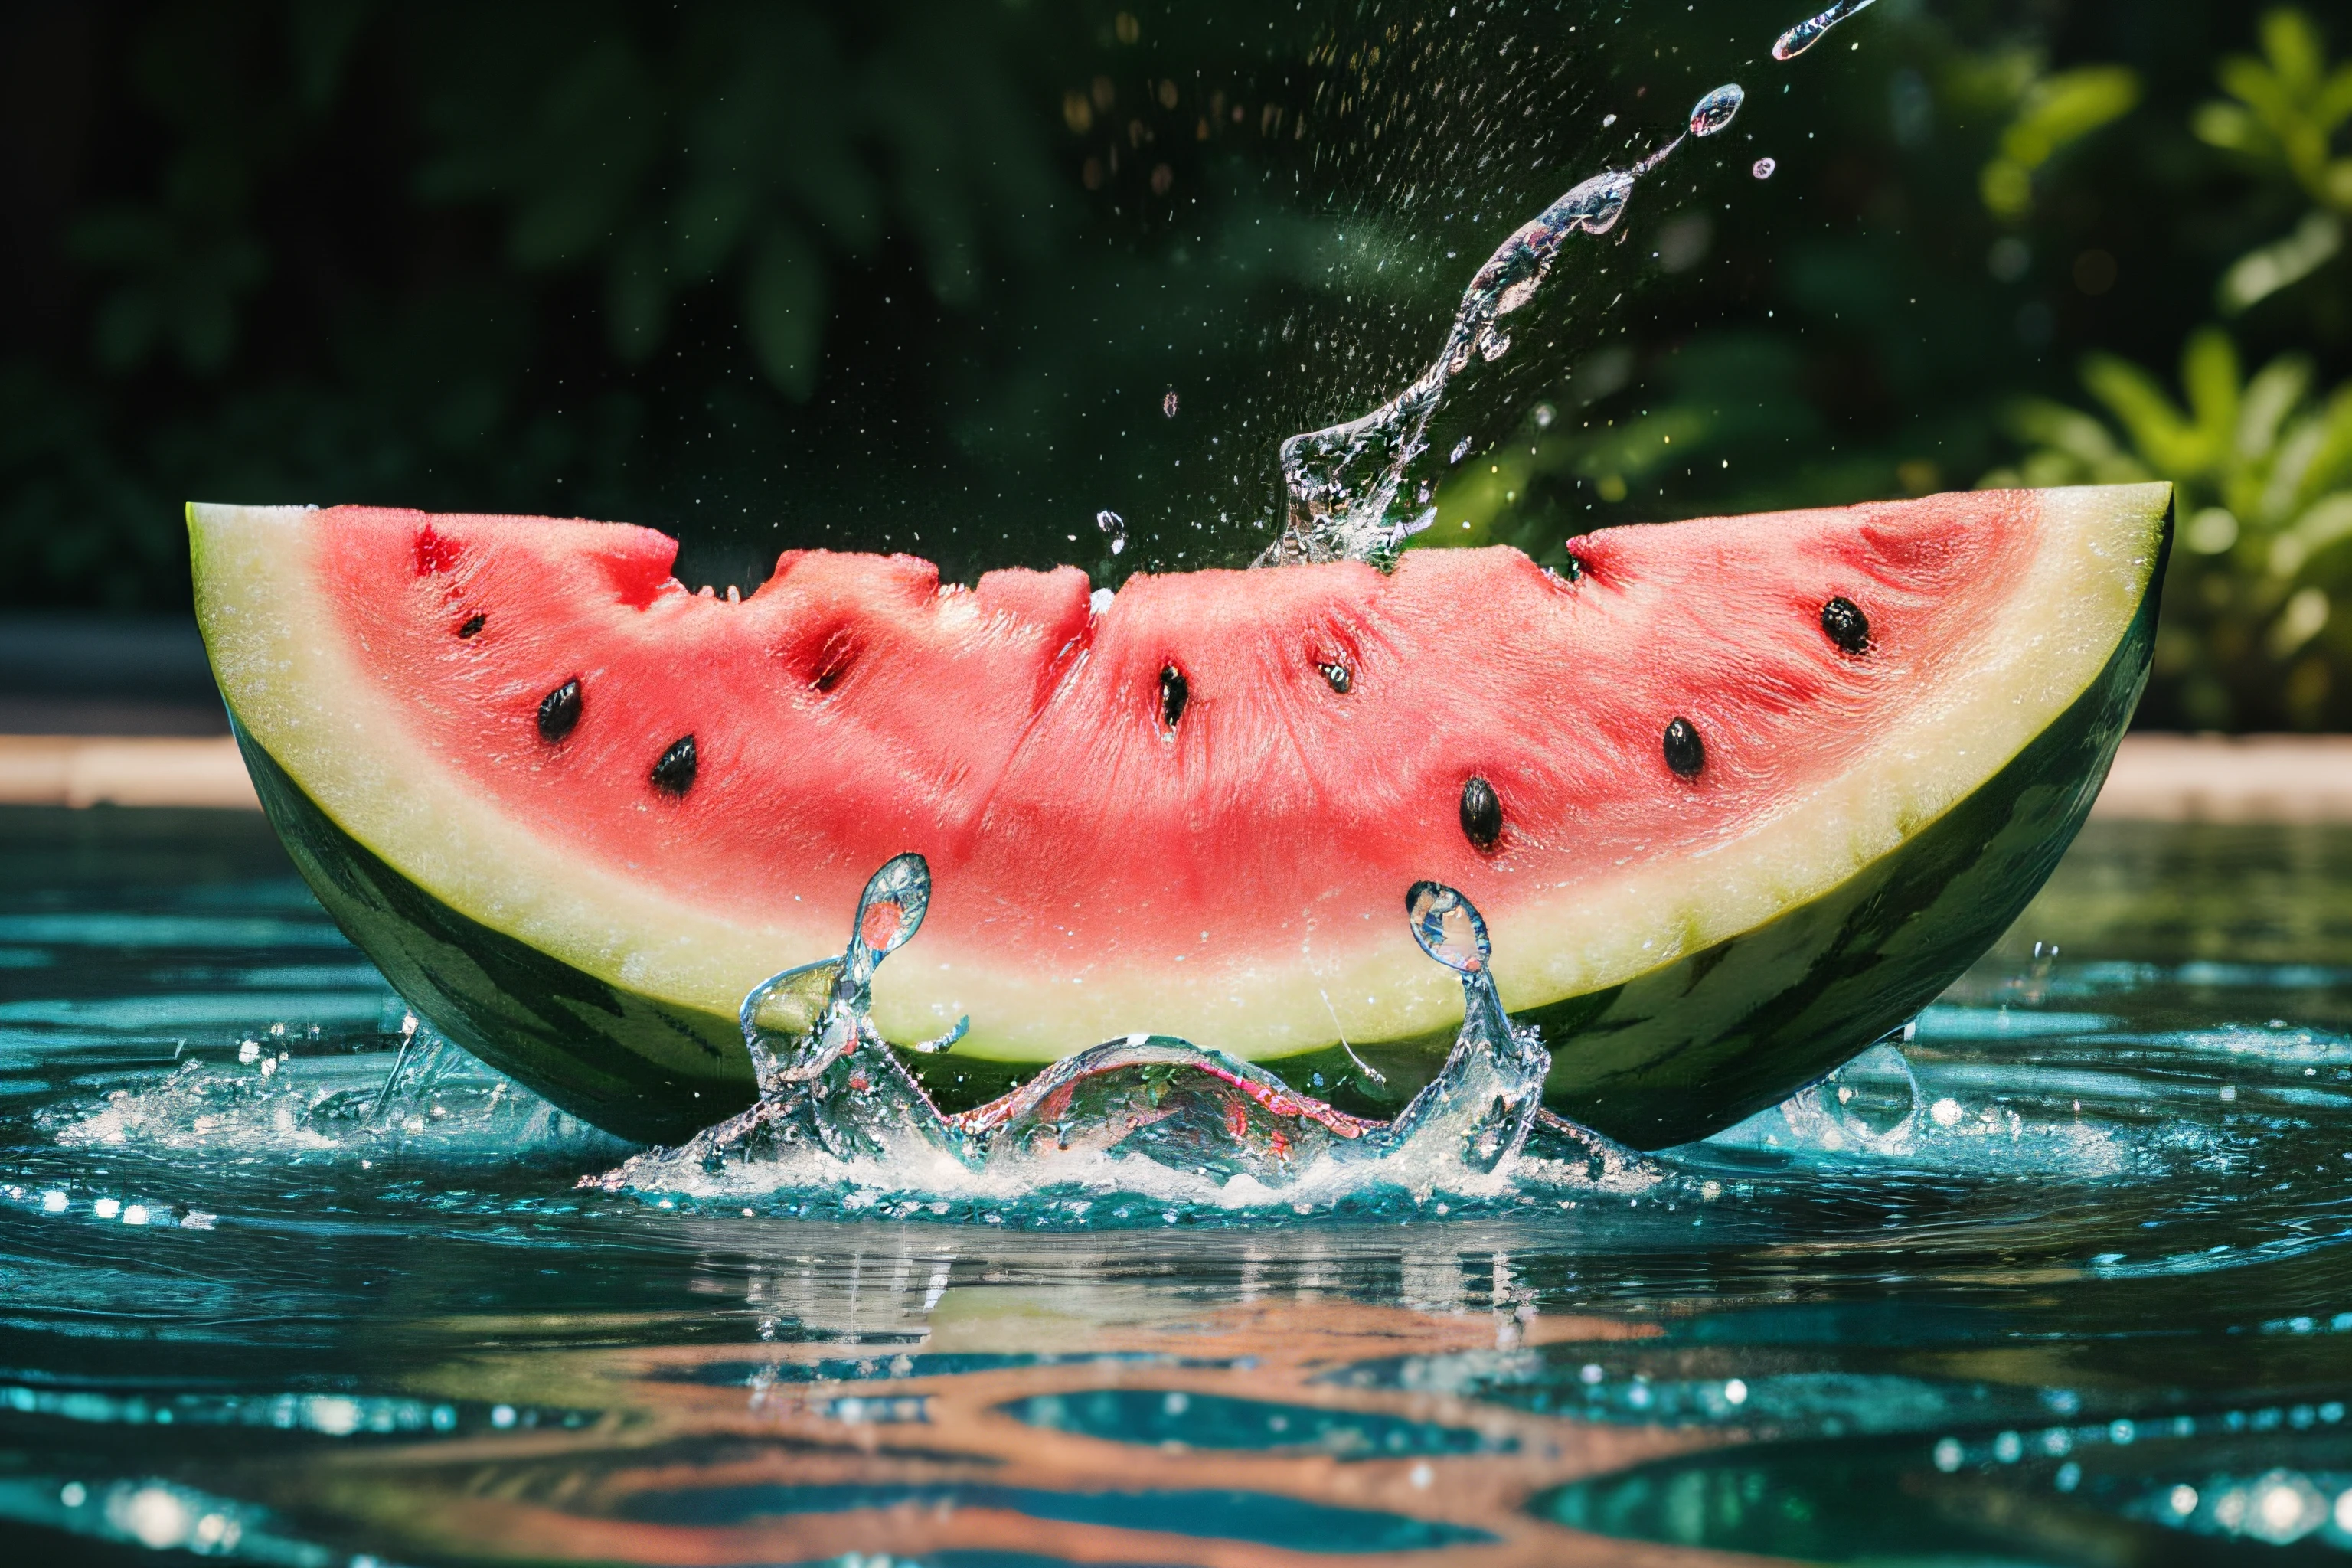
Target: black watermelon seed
<point>559,710</point>
<point>1481,814</point>
<point>1847,626</point>
<point>473,624</point>
<point>1342,679</point>
<point>1574,570</point>
<point>674,774</point>
<point>1174,692</point>
<point>1686,753</point>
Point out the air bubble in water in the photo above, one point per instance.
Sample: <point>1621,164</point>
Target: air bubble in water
<point>1762,168</point>
<point>1715,111</point>
<point>1114,526</point>
<point>1808,33</point>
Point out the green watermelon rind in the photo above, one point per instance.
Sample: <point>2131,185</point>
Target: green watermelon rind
<point>1660,1058</point>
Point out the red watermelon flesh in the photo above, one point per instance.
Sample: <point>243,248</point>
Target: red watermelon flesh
<point>1234,876</point>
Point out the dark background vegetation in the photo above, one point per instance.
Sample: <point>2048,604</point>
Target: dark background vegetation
<point>926,276</point>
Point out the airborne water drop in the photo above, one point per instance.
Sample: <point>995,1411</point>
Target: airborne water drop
<point>1808,33</point>
<point>1763,168</point>
<point>1114,529</point>
<point>1715,111</point>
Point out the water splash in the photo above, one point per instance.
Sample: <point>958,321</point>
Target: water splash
<point>1148,1114</point>
<point>1345,483</point>
<point>1808,33</point>
<point>437,1105</point>
<point>1114,529</point>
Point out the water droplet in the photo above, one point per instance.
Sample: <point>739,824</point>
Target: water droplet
<point>1545,415</point>
<point>1762,168</point>
<point>1447,926</point>
<point>1715,111</point>
<point>1114,526</point>
<point>1461,450</point>
<point>1808,33</point>
<point>1607,121</point>
<point>1167,403</point>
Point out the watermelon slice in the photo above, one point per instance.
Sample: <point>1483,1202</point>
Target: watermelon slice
<point>1736,795</point>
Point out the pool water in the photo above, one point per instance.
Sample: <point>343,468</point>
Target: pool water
<point>2061,1279</point>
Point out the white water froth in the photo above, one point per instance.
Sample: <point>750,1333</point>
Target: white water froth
<point>435,1104</point>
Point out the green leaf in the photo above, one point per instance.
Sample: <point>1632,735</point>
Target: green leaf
<point>2229,127</point>
<point>2329,465</point>
<point>783,306</point>
<point>2300,445</point>
<point>2334,104</point>
<point>2270,396</point>
<point>2294,50</point>
<point>2257,275</point>
<point>2209,375</point>
<point>2255,85</point>
<point>2326,524</point>
<point>2064,108</point>
<point>2007,189</point>
<point>2069,431</point>
<point>2164,435</point>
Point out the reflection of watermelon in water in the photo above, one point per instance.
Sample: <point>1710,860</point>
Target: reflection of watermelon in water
<point>1735,795</point>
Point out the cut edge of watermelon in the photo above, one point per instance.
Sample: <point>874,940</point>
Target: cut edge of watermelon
<point>2102,547</point>
<point>303,699</point>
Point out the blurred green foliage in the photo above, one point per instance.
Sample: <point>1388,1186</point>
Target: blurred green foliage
<point>2263,474</point>
<point>951,277</point>
<point>2252,635</point>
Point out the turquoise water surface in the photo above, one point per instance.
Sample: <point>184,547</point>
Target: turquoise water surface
<point>2061,1279</point>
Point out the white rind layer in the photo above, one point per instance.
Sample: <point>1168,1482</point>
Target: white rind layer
<point>299,694</point>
